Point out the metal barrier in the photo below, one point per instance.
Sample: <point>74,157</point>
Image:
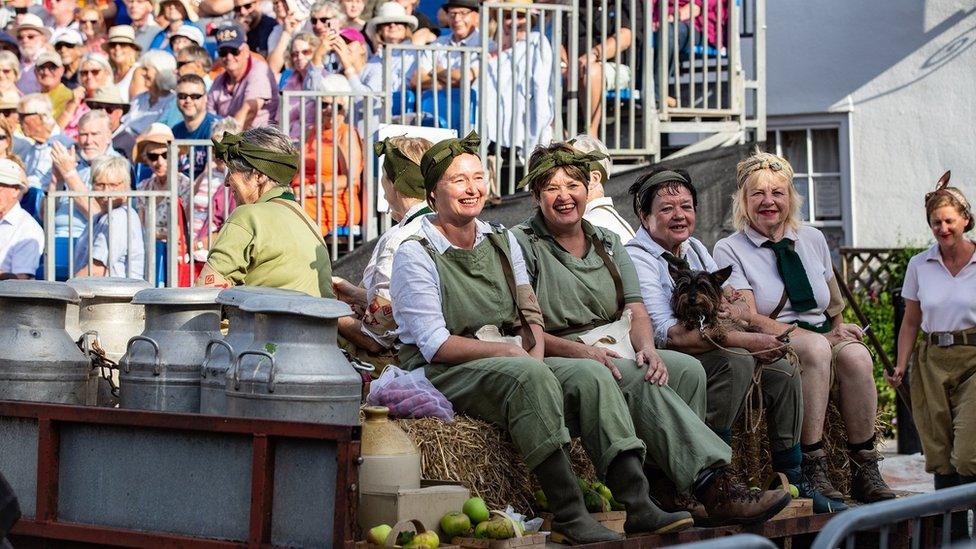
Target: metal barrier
<point>350,163</point>
<point>738,541</point>
<point>883,515</point>
<point>520,84</point>
<point>418,96</point>
<point>84,200</point>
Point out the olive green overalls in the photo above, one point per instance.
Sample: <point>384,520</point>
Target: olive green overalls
<point>577,294</point>
<point>541,404</point>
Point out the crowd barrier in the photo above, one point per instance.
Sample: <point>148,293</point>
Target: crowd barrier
<point>59,252</point>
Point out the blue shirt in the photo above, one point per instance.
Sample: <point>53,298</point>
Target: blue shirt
<point>199,153</point>
<point>37,158</point>
<point>64,211</point>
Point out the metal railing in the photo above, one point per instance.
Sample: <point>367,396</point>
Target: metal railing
<point>738,541</point>
<point>884,515</point>
<point>147,227</point>
<point>419,96</point>
<point>350,162</point>
<point>521,85</point>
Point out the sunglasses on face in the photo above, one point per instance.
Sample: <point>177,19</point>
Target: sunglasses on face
<point>224,52</point>
<point>302,52</point>
<point>181,64</point>
<point>90,72</point>
<point>8,112</point>
<point>330,106</point>
<point>152,157</point>
<point>26,37</point>
<point>7,71</point>
<point>63,45</point>
<point>323,20</point>
<point>4,137</point>
<point>20,10</point>
<point>193,96</point>
<point>88,22</point>
<point>47,68</point>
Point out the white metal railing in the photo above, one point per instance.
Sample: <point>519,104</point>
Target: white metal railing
<point>148,229</point>
<point>360,198</point>
<point>521,86</point>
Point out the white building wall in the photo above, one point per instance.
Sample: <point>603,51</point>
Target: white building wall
<point>905,70</point>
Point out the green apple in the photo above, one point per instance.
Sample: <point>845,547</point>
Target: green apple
<point>476,509</point>
<point>377,535</point>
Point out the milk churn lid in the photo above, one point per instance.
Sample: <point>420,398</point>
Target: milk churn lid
<point>238,294</point>
<point>304,305</point>
<point>176,296</point>
<point>38,289</point>
<point>107,286</point>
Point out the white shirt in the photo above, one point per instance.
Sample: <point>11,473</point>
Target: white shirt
<point>21,242</point>
<point>600,212</point>
<point>415,287</point>
<point>379,270</point>
<point>754,268</point>
<point>948,302</point>
<point>454,60</point>
<point>529,111</point>
<point>655,280</point>
<point>127,249</point>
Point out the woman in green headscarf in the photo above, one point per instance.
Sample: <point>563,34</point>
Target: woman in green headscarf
<point>783,270</point>
<point>458,277</point>
<point>268,240</point>
<point>585,280</point>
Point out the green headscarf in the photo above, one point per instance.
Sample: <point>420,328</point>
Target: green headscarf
<point>573,157</point>
<point>436,160</point>
<point>279,167</point>
<point>400,170</point>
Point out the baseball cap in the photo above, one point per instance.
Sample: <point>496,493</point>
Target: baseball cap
<point>229,35</point>
<point>48,57</point>
<point>68,36</point>
<point>352,35</point>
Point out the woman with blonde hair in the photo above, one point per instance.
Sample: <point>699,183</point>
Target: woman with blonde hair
<point>91,23</point>
<point>305,76</point>
<point>783,271</point>
<point>943,391</point>
<point>94,73</point>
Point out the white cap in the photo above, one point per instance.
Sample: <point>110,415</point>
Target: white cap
<point>191,32</point>
<point>68,36</point>
<point>11,174</point>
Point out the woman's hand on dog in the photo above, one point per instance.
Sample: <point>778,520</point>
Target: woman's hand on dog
<point>657,372</point>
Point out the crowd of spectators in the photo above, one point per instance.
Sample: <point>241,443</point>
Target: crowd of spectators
<point>82,83</point>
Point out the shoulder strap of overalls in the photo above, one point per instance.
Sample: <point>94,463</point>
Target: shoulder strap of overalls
<point>493,237</point>
<point>613,211</point>
<point>601,249</point>
<point>294,209</point>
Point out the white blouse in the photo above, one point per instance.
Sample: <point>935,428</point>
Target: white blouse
<point>415,286</point>
<point>948,302</point>
<point>754,269</point>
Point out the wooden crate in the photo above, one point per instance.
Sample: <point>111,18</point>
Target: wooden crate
<point>799,507</point>
<point>531,541</point>
<point>612,520</point>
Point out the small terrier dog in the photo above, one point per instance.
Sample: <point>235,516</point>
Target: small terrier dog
<point>697,298</point>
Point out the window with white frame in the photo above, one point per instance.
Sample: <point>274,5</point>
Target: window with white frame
<point>817,154</point>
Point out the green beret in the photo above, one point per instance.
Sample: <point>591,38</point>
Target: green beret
<point>279,167</point>
<point>402,172</point>
<point>436,160</point>
<point>572,157</point>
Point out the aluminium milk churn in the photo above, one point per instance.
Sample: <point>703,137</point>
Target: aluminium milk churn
<point>40,362</point>
<point>221,353</point>
<point>293,370</point>
<point>161,367</point>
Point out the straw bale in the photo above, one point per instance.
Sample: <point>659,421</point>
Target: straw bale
<point>482,457</point>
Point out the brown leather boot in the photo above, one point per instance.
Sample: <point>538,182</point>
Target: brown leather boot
<point>731,503</point>
<point>867,485</point>
<point>666,494</point>
<point>814,468</point>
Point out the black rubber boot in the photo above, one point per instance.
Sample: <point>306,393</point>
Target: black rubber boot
<point>946,481</point>
<point>960,519</point>
<point>626,480</point>
<point>571,522</point>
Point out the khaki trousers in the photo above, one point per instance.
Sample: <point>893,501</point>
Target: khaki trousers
<point>944,405</point>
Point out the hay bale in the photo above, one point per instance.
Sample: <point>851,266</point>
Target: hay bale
<point>482,457</point>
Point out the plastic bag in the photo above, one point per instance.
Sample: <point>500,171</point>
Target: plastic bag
<point>409,395</point>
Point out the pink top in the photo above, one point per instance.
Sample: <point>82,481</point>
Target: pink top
<point>225,99</point>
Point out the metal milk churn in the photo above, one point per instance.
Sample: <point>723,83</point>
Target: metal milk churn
<point>293,370</point>
<point>161,367</point>
<point>221,353</point>
<point>39,361</point>
<point>106,309</point>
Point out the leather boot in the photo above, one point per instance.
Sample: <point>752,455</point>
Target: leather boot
<point>731,503</point>
<point>821,503</point>
<point>625,478</point>
<point>571,522</point>
<point>814,468</point>
<point>666,495</point>
<point>867,486</point>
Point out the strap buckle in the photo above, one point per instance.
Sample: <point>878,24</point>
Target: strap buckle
<point>945,339</point>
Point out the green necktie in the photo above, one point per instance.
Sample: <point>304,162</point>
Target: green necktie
<point>676,262</point>
<point>794,276</point>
